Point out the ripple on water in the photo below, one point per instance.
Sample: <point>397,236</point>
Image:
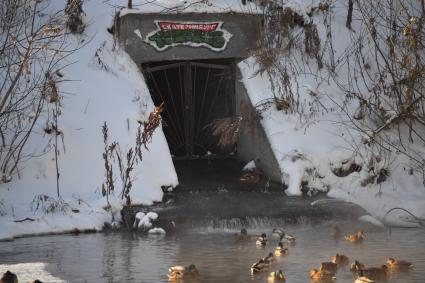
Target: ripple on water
<point>131,257</point>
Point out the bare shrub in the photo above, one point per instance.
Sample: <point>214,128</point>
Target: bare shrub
<point>113,156</point>
<point>74,11</point>
<point>47,204</point>
<point>32,48</point>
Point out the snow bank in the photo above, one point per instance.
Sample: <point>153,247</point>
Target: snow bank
<point>28,272</point>
<point>309,150</point>
<point>108,88</point>
<point>189,6</point>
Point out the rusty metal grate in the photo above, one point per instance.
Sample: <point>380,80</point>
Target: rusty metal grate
<point>195,94</point>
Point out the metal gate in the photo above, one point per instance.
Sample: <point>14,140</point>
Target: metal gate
<point>195,94</point>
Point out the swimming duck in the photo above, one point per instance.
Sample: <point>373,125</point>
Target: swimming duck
<point>287,237</point>
<point>374,273</point>
<point>243,235</point>
<point>335,232</point>
<point>363,279</point>
<point>340,260</point>
<point>180,272</point>
<point>262,240</point>
<point>277,232</point>
<point>329,267</point>
<point>259,266</point>
<point>356,266</point>
<point>355,238</point>
<point>269,259</point>
<point>280,250</point>
<point>277,276</point>
<point>321,275</point>
<point>394,264</point>
<point>9,277</point>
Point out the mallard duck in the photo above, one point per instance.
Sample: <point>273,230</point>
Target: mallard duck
<point>363,279</point>
<point>283,236</point>
<point>243,235</point>
<point>180,272</point>
<point>340,260</point>
<point>280,250</point>
<point>394,264</point>
<point>355,238</point>
<point>329,267</point>
<point>259,266</point>
<point>321,275</point>
<point>262,240</point>
<point>288,238</point>
<point>277,276</point>
<point>269,259</point>
<point>277,232</point>
<point>356,266</point>
<point>252,178</point>
<point>335,232</point>
<point>374,273</point>
<point>9,277</point>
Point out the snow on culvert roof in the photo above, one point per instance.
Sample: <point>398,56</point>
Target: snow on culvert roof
<point>187,6</point>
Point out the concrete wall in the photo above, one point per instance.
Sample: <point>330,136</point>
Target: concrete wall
<point>243,27</point>
<point>253,143</point>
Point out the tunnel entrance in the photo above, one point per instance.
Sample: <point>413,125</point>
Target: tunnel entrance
<point>195,95</point>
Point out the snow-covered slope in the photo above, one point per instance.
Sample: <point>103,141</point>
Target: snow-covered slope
<point>93,94</point>
<point>309,148</point>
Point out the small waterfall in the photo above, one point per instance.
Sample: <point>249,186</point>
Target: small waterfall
<point>250,223</point>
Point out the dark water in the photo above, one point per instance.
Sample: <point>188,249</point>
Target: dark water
<point>131,257</point>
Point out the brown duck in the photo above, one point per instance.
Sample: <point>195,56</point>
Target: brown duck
<point>355,238</point>
<point>340,260</point>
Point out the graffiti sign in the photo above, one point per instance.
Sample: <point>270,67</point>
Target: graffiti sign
<point>194,34</point>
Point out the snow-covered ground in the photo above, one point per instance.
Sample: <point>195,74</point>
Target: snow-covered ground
<point>92,96</point>
<point>114,91</point>
<point>309,149</point>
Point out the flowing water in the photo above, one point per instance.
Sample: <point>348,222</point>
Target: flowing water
<point>211,246</point>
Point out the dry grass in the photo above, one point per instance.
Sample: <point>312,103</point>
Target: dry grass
<point>227,129</point>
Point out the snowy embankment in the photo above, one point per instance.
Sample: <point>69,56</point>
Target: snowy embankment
<point>314,152</point>
<point>107,87</point>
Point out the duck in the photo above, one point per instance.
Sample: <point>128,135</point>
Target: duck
<point>283,236</point>
<point>363,279</point>
<point>277,232</point>
<point>243,235</point>
<point>179,272</point>
<point>329,267</point>
<point>259,266</point>
<point>394,264</point>
<point>252,178</point>
<point>280,250</point>
<point>356,266</point>
<point>277,276</point>
<point>335,232</point>
<point>288,238</point>
<point>321,275</point>
<point>340,260</point>
<point>269,259</point>
<point>9,277</point>
<point>36,281</point>
<point>355,238</point>
<point>262,240</point>
<point>374,273</point>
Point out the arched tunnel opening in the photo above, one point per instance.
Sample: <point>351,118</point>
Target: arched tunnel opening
<point>196,95</point>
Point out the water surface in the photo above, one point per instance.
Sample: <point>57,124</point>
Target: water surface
<point>132,257</point>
